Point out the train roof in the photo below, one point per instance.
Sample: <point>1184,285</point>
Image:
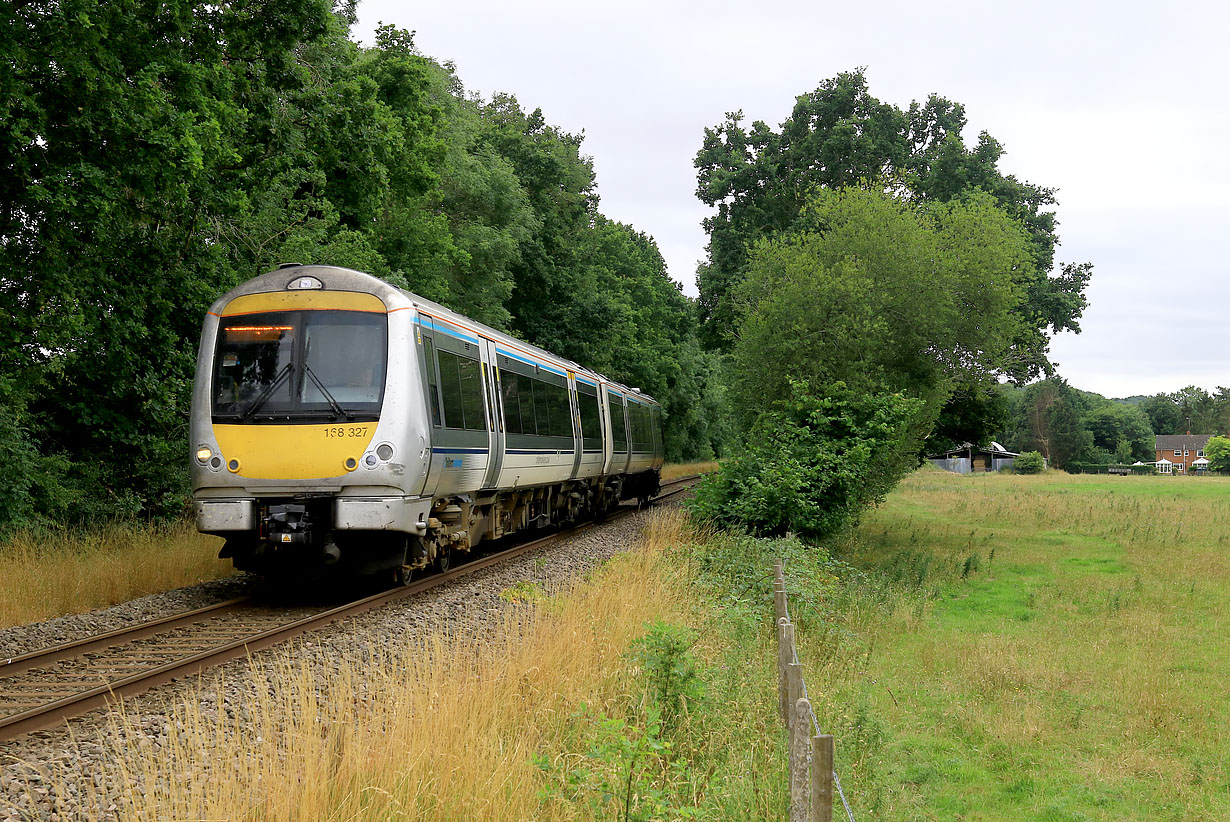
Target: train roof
<point>338,278</point>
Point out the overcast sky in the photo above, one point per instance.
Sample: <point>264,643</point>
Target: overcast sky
<point>1122,107</point>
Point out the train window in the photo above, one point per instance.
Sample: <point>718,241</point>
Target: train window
<point>561,412</point>
<point>591,423</point>
<point>642,439</point>
<point>619,423</point>
<point>525,400</point>
<point>472,394</point>
<point>433,389</point>
<point>542,406</point>
<point>461,390</point>
<point>302,363</point>
<point>512,407</point>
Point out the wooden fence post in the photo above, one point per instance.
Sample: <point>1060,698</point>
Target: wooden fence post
<point>785,648</point>
<point>799,750</point>
<point>823,752</point>
<point>794,691</point>
<point>779,592</point>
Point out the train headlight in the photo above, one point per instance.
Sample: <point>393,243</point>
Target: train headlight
<point>370,460</point>
<point>351,463</point>
<point>203,454</point>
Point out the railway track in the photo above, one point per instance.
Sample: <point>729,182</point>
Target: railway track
<point>43,688</point>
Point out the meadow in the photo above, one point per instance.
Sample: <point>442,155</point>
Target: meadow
<point>1033,648</point>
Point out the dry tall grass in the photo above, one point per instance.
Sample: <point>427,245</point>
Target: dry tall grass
<point>684,469</point>
<point>441,727</point>
<point>48,575</point>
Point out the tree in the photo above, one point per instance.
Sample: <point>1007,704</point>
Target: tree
<point>891,303</point>
<point>840,135</point>
<point>881,295</point>
<point>1163,414</point>
<point>1217,452</point>
<point>1121,430</point>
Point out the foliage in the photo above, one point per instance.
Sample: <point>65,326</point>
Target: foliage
<point>1048,417</point>
<point>880,295</point>
<point>1029,462</point>
<point>156,157</point>
<point>1189,410</point>
<point>1123,431</point>
<point>1217,452</point>
<point>633,763</point>
<point>671,676</point>
<point>895,307</point>
<point>840,136</point>
<point>813,462</point>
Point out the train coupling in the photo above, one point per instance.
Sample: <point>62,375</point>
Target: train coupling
<point>289,524</point>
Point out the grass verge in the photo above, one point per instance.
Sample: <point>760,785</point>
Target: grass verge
<point>49,574</point>
<point>617,699</point>
<point>684,469</point>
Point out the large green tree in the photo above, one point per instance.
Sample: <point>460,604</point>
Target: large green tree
<point>854,331</point>
<point>881,294</point>
<point>124,148</point>
<point>758,180</point>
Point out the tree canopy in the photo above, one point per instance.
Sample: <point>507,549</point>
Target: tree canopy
<point>839,135</point>
<point>155,156</point>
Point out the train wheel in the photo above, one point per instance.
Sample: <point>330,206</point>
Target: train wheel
<point>402,575</point>
<point>444,558</point>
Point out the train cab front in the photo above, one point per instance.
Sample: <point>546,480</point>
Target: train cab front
<point>298,463</point>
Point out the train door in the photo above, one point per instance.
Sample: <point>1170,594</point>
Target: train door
<point>619,433</point>
<point>575,404</point>
<point>430,379</point>
<point>495,413</point>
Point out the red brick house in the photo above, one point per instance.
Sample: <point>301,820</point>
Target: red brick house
<point>1175,453</point>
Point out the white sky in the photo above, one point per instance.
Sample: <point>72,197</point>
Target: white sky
<point>1122,107</point>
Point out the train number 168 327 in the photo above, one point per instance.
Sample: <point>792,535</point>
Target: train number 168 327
<point>343,431</point>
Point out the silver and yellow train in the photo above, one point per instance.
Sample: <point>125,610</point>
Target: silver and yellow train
<point>339,421</point>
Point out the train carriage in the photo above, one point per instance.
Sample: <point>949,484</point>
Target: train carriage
<point>339,421</point>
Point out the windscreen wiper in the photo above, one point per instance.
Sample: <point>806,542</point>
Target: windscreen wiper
<point>337,408</point>
<point>268,392</point>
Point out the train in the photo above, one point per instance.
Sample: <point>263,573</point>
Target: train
<point>341,424</point>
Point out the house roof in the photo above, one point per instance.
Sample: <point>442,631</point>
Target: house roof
<point>1180,442</point>
<point>968,450</point>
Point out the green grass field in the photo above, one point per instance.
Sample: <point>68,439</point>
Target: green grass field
<point>1037,647</point>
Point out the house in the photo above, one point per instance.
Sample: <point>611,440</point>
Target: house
<point>1177,453</point>
<point>970,458</point>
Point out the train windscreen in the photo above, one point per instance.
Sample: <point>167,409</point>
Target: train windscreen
<point>300,365</point>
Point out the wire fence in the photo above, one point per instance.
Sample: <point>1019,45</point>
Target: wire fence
<point>813,776</point>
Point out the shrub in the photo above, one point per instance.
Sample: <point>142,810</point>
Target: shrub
<point>1032,462</point>
<point>813,463</point>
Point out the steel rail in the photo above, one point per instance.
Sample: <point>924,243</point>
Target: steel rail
<point>52,713</point>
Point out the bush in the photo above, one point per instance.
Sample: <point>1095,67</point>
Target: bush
<point>1032,462</point>
<point>813,463</point>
